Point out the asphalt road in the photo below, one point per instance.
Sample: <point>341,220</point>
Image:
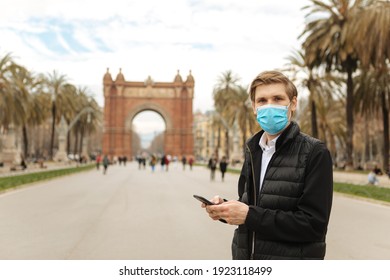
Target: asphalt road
<point>140,215</point>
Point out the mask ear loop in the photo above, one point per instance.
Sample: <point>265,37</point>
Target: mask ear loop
<point>288,110</point>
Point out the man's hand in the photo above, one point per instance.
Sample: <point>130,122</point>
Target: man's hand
<point>233,212</point>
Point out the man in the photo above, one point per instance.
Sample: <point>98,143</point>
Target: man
<point>286,183</point>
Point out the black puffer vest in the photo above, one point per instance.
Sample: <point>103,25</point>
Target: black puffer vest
<point>288,219</point>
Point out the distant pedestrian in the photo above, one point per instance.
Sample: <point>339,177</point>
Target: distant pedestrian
<point>143,159</point>
<point>23,164</point>
<point>372,179</point>
<point>377,170</point>
<point>223,167</point>
<point>106,162</point>
<point>162,161</point>
<point>191,162</point>
<point>184,162</point>
<point>98,161</point>
<point>139,159</point>
<point>153,162</point>
<point>167,161</point>
<point>212,166</point>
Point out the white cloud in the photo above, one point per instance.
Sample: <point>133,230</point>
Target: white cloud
<point>151,37</point>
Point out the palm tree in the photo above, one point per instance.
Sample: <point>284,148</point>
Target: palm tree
<point>55,83</point>
<point>373,91</point>
<point>223,92</point>
<point>73,102</point>
<point>373,34</point>
<point>69,109</point>
<point>328,43</point>
<point>21,87</point>
<point>40,104</point>
<point>242,112</point>
<point>82,124</point>
<point>18,98</point>
<point>330,122</point>
<point>320,85</point>
<point>6,63</point>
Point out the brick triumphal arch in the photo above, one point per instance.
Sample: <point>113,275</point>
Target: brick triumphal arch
<point>123,100</point>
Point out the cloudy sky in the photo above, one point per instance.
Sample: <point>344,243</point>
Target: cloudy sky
<point>82,38</point>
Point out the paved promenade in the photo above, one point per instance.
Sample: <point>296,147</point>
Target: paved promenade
<point>136,214</point>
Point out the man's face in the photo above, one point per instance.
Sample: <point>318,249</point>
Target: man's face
<point>272,94</point>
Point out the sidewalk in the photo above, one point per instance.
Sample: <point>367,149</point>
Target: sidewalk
<point>358,179</point>
<point>355,178</point>
<point>34,167</point>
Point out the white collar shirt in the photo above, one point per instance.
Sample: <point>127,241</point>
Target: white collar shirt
<point>268,151</point>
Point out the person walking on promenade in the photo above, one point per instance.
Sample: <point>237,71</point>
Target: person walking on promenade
<point>223,167</point>
<point>286,183</point>
<point>98,161</point>
<point>162,161</point>
<point>372,178</point>
<point>106,162</point>
<point>184,162</point>
<point>212,165</point>
<point>153,162</point>
<point>191,162</point>
<point>167,159</point>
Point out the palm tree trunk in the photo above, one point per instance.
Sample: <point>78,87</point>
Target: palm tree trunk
<point>314,126</point>
<point>324,134</point>
<point>366,143</point>
<point>25,142</point>
<point>53,127</point>
<point>385,112</point>
<point>332,146</point>
<point>81,140</point>
<point>68,142</point>
<point>76,140</point>
<point>244,128</point>
<point>218,142</point>
<point>227,143</point>
<point>349,112</point>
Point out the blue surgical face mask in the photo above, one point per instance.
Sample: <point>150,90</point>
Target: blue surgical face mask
<point>272,118</point>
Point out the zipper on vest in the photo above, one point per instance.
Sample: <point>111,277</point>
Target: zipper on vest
<point>254,201</point>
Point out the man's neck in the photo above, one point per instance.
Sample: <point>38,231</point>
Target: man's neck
<point>269,138</point>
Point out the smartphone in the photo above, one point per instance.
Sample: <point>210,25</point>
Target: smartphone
<point>207,202</point>
<point>204,200</point>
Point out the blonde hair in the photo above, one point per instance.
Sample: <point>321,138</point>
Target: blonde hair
<point>272,77</point>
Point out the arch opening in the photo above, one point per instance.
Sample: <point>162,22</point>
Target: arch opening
<point>148,132</point>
